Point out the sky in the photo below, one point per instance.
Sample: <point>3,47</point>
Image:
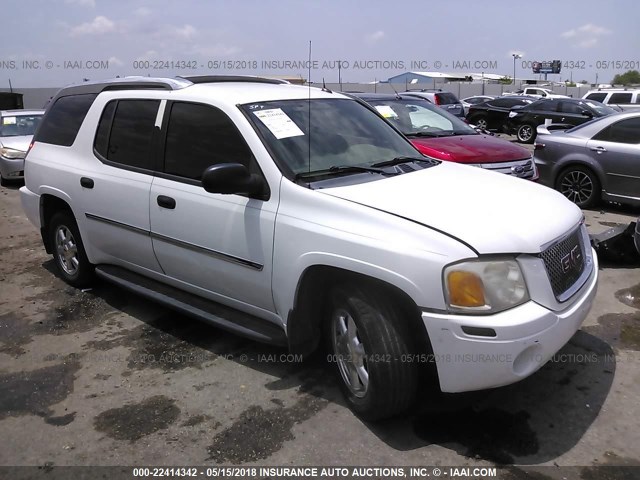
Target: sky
<point>52,43</point>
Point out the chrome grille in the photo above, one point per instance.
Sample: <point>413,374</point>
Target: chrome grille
<point>519,168</point>
<point>564,262</point>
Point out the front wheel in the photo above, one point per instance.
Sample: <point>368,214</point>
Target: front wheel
<point>370,347</point>
<point>526,133</point>
<point>68,250</point>
<point>580,185</point>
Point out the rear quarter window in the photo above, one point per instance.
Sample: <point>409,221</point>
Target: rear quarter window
<point>620,98</point>
<point>447,98</point>
<point>63,120</point>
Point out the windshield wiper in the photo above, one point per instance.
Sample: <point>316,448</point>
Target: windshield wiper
<point>399,160</point>
<point>339,169</point>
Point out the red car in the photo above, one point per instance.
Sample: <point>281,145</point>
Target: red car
<point>441,135</point>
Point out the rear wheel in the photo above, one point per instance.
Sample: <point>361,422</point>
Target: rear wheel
<point>370,347</point>
<point>580,185</point>
<point>526,133</point>
<point>480,122</point>
<point>68,250</point>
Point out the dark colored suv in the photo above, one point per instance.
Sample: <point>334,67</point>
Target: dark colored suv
<point>566,112</point>
<point>445,100</point>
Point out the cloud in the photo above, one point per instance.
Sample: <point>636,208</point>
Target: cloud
<point>82,3</point>
<point>98,26</point>
<point>588,43</point>
<point>142,12</point>
<point>186,32</point>
<point>115,61</point>
<point>586,36</point>
<point>374,37</point>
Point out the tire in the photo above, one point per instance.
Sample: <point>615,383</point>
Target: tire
<point>68,250</point>
<point>369,343</point>
<point>480,122</point>
<point>580,185</point>
<point>526,133</point>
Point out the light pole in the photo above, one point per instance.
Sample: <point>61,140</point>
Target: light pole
<point>515,57</point>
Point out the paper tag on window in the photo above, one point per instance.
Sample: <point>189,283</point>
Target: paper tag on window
<point>278,123</point>
<point>8,120</point>
<point>386,111</point>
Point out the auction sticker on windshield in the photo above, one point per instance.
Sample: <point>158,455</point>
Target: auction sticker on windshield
<point>279,123</point>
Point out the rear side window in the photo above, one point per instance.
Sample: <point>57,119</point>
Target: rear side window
<point>624,131</point>
<point>620,98</point>
<point>125,132</point>
<point>598,97</point>
<point>545,106</point>
<point>63,120</point>
<point>199,136</point>
<point>507,102</point>
<point>446,98</point>
<point>572,107</point>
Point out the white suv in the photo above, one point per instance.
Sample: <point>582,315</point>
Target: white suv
<point>289,214</point>
<point>621,98</point>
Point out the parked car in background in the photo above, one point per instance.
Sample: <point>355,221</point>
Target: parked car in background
<point>16,130</point>
<point>566,112</point>
<point>621,98</point>
<point>441,135</point>
<point>445,100</point>
<point>475,100</point>
<point>536,92</point>
<point>494,114</point>
<point>596,160</point>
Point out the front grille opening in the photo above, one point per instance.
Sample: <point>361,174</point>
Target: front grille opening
<point>564,262</point>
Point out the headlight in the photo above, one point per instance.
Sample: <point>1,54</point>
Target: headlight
<point>12,153</point>
<point>512,114</point>
<point>484,286</point>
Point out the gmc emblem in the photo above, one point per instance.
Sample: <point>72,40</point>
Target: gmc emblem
<point>571,260</point>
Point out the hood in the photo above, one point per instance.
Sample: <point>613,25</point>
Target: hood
<point>492,212</point>
<point>470,149</point>
<point>17,143</point>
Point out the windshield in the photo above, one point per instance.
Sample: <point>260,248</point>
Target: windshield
<point>17,125</point>
<point>343,133</point>
<point>420,118</point>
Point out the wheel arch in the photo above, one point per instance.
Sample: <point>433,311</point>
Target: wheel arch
<point>50,204</point>
<point>580,161</point>
<point>304,321</point>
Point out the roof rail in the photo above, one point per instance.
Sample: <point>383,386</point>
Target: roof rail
<point>125,83</point>
<point>232,78</point>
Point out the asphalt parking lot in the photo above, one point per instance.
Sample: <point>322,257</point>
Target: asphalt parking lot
<point>102,377</point>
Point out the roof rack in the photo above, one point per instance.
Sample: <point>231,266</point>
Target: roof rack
<point>232,78</point>
<point>151,83</point>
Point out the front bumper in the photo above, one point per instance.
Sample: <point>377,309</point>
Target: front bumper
<point>526,337</point>
<point>12,169</point>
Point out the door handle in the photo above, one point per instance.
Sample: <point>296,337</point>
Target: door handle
<point>598,149</point>
<point>166,202</point>
<point>86,182</point>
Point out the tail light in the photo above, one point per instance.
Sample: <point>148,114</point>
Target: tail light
<point>29,149</point>
<point>437,99</point>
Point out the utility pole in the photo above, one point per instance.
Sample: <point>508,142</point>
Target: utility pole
<point>515,57</point>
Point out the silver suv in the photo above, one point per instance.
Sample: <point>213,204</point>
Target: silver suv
<point>293,215</point>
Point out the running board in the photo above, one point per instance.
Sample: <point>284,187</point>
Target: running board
<point>194,306</point>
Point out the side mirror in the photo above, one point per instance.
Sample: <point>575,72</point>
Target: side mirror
<point>587,113</point>
<point>233,178</point>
